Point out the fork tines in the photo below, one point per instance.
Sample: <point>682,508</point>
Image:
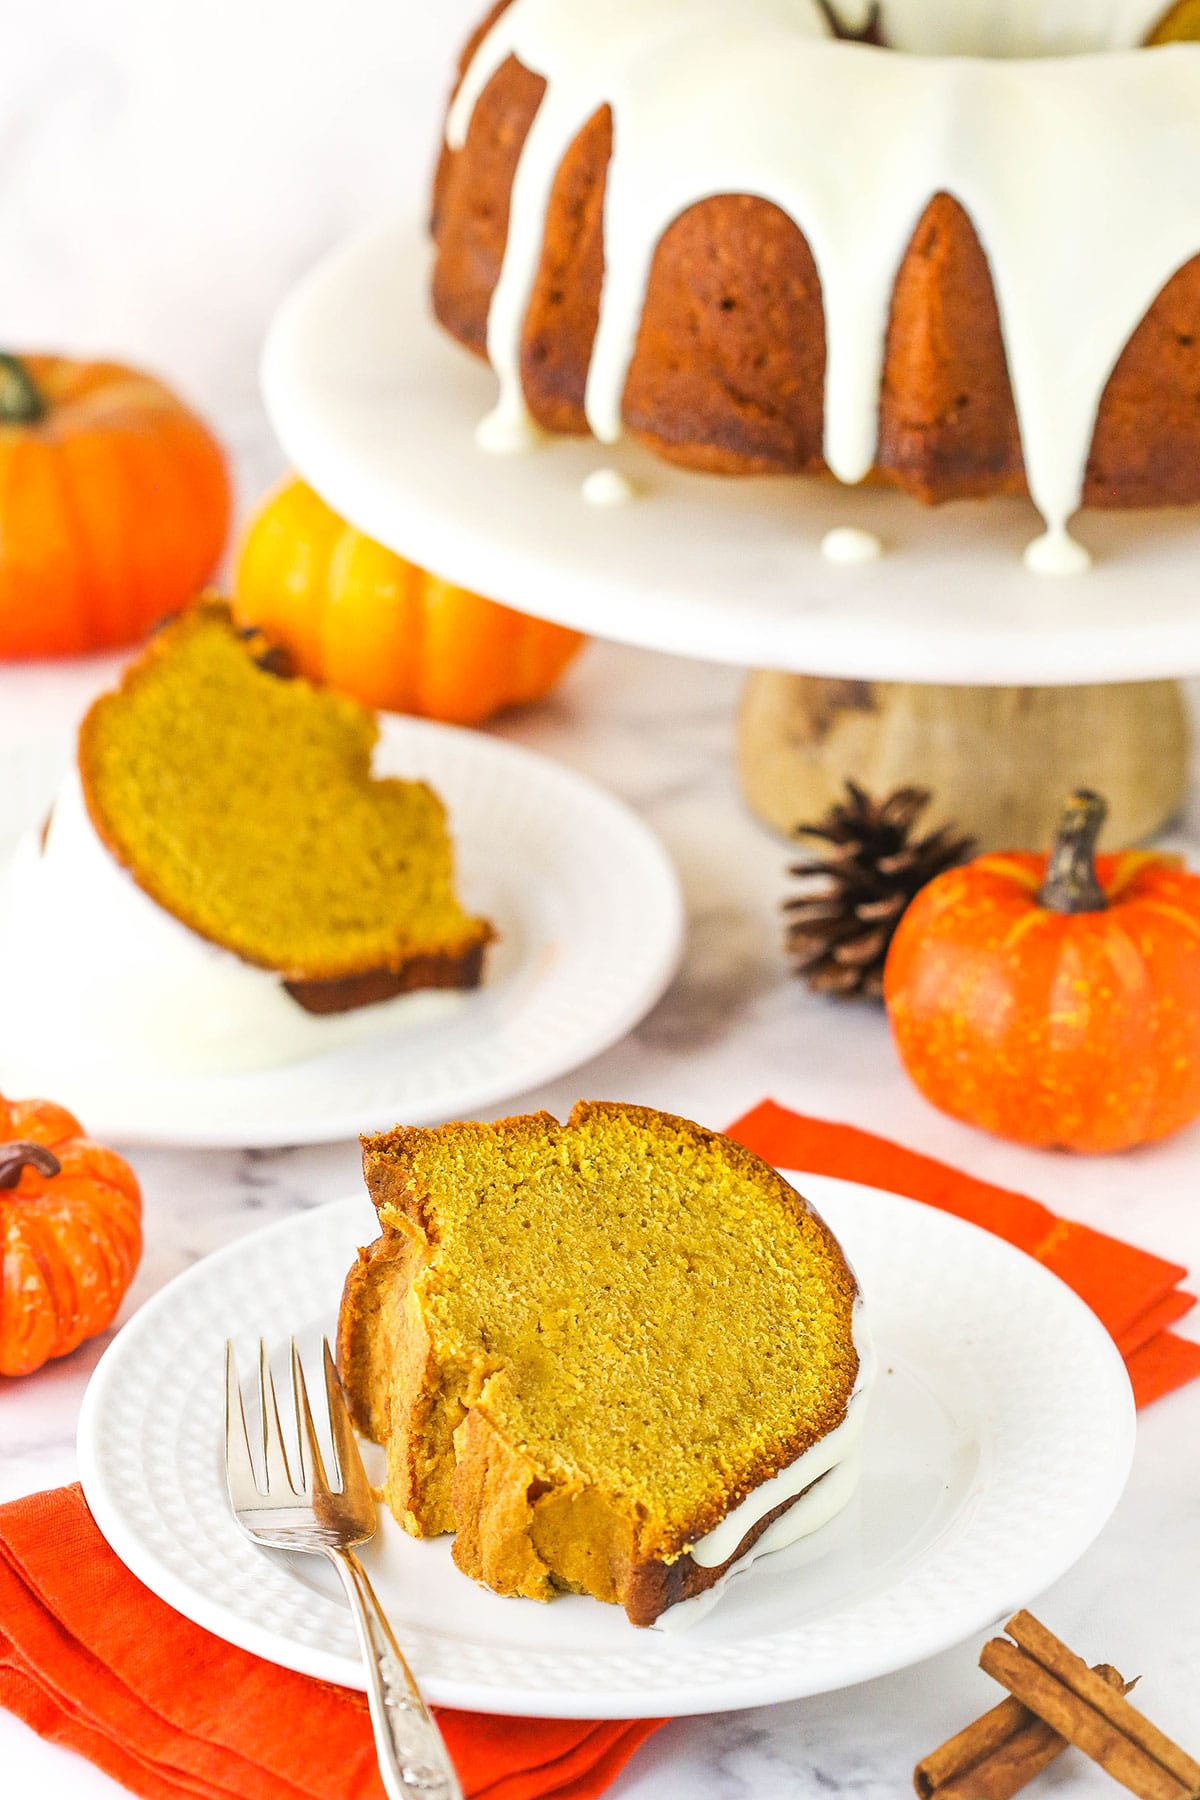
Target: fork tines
<point>309,1477</point>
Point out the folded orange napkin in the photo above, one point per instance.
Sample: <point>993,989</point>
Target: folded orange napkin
<point>91,1659</point>
<point>1136,1295</point>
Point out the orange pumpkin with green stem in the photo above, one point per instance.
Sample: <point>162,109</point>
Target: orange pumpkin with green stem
<point>359,618</point>
<point>70,1234</point>
<point>114,505</point>
<point>1055,1001</point>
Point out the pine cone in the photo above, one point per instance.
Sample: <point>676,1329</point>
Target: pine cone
<point>853,892</point>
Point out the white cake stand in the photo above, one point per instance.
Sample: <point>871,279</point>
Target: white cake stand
<point>377,409</point>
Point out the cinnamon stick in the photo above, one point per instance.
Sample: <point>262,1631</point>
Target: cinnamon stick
<point>1086,1725</point>
<point>1073,1672</point>
<point>997,1755</point>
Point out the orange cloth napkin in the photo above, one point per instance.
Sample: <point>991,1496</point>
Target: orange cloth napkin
<point>91,1659</point>
<point>1136,1295</point>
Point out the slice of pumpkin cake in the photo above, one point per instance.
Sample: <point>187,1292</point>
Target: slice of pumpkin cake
<point>612,1356</point>
<point>222,883</point>
<point>244,805</point>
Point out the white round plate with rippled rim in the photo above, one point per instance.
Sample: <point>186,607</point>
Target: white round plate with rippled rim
<point>590,917</point>
<point>377,407</point>
<point>998,1442</point>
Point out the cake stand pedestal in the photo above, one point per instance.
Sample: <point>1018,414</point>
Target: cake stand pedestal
<point>378,410</point>
<point>998,760</point>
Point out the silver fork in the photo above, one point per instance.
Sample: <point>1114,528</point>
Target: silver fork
<point>304,1512</point>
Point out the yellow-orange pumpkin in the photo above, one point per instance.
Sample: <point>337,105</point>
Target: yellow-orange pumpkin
<point>1181,25</point>
<point>114,505</point>
<point>70,1234</point>
<point>1055,1001</point>
<point>361,619</point>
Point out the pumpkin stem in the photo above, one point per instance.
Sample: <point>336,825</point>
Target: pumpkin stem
<point>1071,885</point>
<point>22,1154</point>
<point>15,1157</point>
<point>21,401</point>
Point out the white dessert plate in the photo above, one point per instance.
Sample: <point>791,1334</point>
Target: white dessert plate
<point>377,407</point>
<point>590,917</point>
<point>998,1442</point>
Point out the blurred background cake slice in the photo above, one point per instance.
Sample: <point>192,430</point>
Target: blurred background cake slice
<point>222,882</point>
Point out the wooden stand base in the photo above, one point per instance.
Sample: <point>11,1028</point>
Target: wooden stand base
<point>999,761</point>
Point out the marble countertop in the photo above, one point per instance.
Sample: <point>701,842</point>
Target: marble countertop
<point>275,130</point>
<point>733,1028</point>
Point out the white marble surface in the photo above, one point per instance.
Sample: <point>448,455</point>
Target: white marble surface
<point>167,172</point>
<point>733,1029</point>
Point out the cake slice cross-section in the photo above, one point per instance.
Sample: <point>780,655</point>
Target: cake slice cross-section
<point>613,1357</point>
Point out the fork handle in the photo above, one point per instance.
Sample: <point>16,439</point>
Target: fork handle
<point>413,1759</point>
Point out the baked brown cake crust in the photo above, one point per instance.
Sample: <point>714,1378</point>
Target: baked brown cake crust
<point>446,969</point>
<point>452,1410</point>
<point>728,371</point>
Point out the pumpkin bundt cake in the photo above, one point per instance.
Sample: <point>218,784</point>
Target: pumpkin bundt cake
<point>612,1356</point>
<point>951,244</point>
<point>244,805</point>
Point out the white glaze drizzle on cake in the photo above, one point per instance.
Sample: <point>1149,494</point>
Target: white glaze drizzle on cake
<point>508,431</point>
<point>838,1448</point>
<point>820,1485</point>
<point>849,544</point>
<point>1008,28</point>
<point>1056,552</point>
<point>809,1514</point>
<point>607,487</point>
<point>1078,170</point>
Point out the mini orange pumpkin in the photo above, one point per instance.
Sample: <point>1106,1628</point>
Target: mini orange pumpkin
<point>114,505</point>
<point>70,1233</point>
<point>358,617</point>
<point>1055,1001</point>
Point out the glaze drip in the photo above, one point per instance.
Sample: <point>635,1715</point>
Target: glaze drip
<point>847,544</point>
<point>86,957</point>
<point>839,1449</point>
<point>1083,224</point>
<point>608,487</point>
<point>999,28</point>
